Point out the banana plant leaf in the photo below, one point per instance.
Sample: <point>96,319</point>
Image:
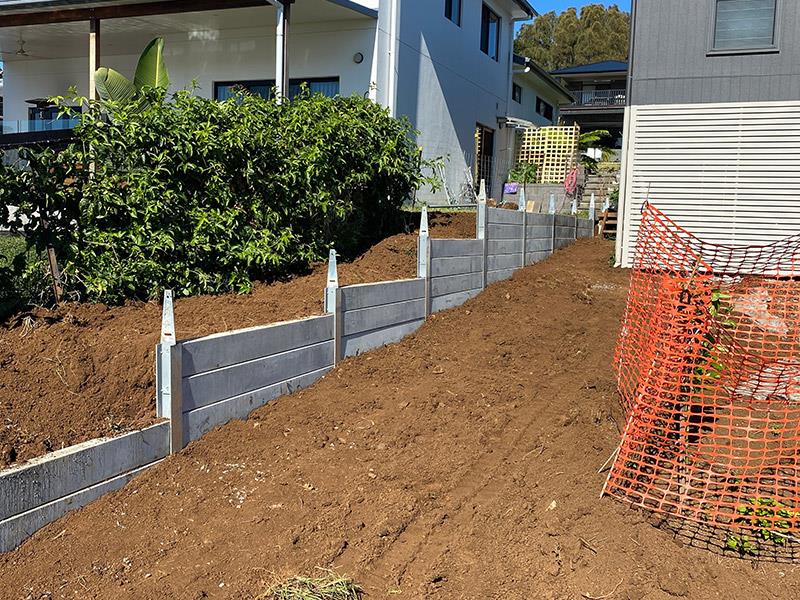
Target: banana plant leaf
<point>113,85</point>
<point>151,70</point>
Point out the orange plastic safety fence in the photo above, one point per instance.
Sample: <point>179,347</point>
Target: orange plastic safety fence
<point>708,368</point>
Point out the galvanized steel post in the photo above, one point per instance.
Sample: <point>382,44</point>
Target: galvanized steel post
<point>424,258</point>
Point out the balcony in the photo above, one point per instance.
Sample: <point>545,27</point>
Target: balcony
<point>597,99</point>
<point>36,132</point>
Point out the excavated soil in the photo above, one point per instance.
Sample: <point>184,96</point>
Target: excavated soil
<point>460,463</point>
<point>87,371</point>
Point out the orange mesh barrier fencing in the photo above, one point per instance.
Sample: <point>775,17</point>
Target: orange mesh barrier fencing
<point>708,368</point>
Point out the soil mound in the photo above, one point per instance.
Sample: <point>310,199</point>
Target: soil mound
<point>86,370</point>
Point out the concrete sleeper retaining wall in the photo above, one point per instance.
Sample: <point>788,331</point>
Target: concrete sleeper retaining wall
<point>205,382</point>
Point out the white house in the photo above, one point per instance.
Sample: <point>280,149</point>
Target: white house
<point>535,94</point>
<point>445,64</point>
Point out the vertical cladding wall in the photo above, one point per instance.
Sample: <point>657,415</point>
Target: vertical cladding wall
<point>672,62</point>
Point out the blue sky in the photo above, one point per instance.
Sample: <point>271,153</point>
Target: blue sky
<point>543,6</point>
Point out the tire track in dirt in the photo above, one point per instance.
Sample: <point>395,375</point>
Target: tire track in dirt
<point>421,542</point>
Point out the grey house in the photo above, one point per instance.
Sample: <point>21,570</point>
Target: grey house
<point>712,122</point>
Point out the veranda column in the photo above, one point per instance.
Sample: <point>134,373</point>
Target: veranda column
<point>94,54</point>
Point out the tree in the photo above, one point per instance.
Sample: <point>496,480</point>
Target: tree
<point>536,40</point>
<point>558,41</point>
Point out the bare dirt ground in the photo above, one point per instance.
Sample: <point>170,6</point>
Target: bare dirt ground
<point>460,463</point>
<point>87,371</point>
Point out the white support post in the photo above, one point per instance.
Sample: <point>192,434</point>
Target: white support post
<point>424,258</point>
<point>575,205</point>
<point>483,234</point>
<point>521,198</point>
<point>281,48</point>
<point>552,208</point>
<point>592,209</point>
<point>482,197</point>
<point>333,305</point>
<point>94,55</point>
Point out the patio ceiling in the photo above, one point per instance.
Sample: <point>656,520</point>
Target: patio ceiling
<point>69,39</point>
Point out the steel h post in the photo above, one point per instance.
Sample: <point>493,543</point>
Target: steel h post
<point>553,216</point>
<point>483,235</point>
<point>592,209</point>
<point>163,357</point>
<point>482,197</point>
<point>169,368</point>
<point>424,258</point>
<point>333,305</point>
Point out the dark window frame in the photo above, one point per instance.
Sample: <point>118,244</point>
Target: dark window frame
<point>270,83</point>
<point>545,109</point>
<point>489,18</point>
<point>516,93</point>
<point>449,6</point>
<point>772,49</point>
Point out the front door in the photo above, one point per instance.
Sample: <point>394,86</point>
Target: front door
<point>484,156</point>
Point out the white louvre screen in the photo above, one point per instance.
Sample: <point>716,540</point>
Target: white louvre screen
<point>728,173</point>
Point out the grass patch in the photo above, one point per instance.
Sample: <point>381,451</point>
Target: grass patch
<point>329,586</point>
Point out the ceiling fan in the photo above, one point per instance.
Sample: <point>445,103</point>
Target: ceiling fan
<point>21,49</point>
<point>20,52</point>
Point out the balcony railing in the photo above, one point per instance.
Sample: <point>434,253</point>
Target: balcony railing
<point>37,125</point>
<point>598,98</point>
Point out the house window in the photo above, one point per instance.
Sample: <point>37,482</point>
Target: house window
<point>490,33</point>
<point>452,10</point>
<point>516,93</point>
<point>544,109</point>
<point>327,86</point>
<point>744,24</point>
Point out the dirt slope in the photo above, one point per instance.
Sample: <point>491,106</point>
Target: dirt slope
<point>86,371</point>
<point>459,463</point>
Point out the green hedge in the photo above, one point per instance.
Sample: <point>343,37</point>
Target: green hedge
<point>205,197</point>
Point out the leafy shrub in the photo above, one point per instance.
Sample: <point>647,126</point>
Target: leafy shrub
<point>524,172</point>
<point>23,275</point>
<point>205,197</point>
